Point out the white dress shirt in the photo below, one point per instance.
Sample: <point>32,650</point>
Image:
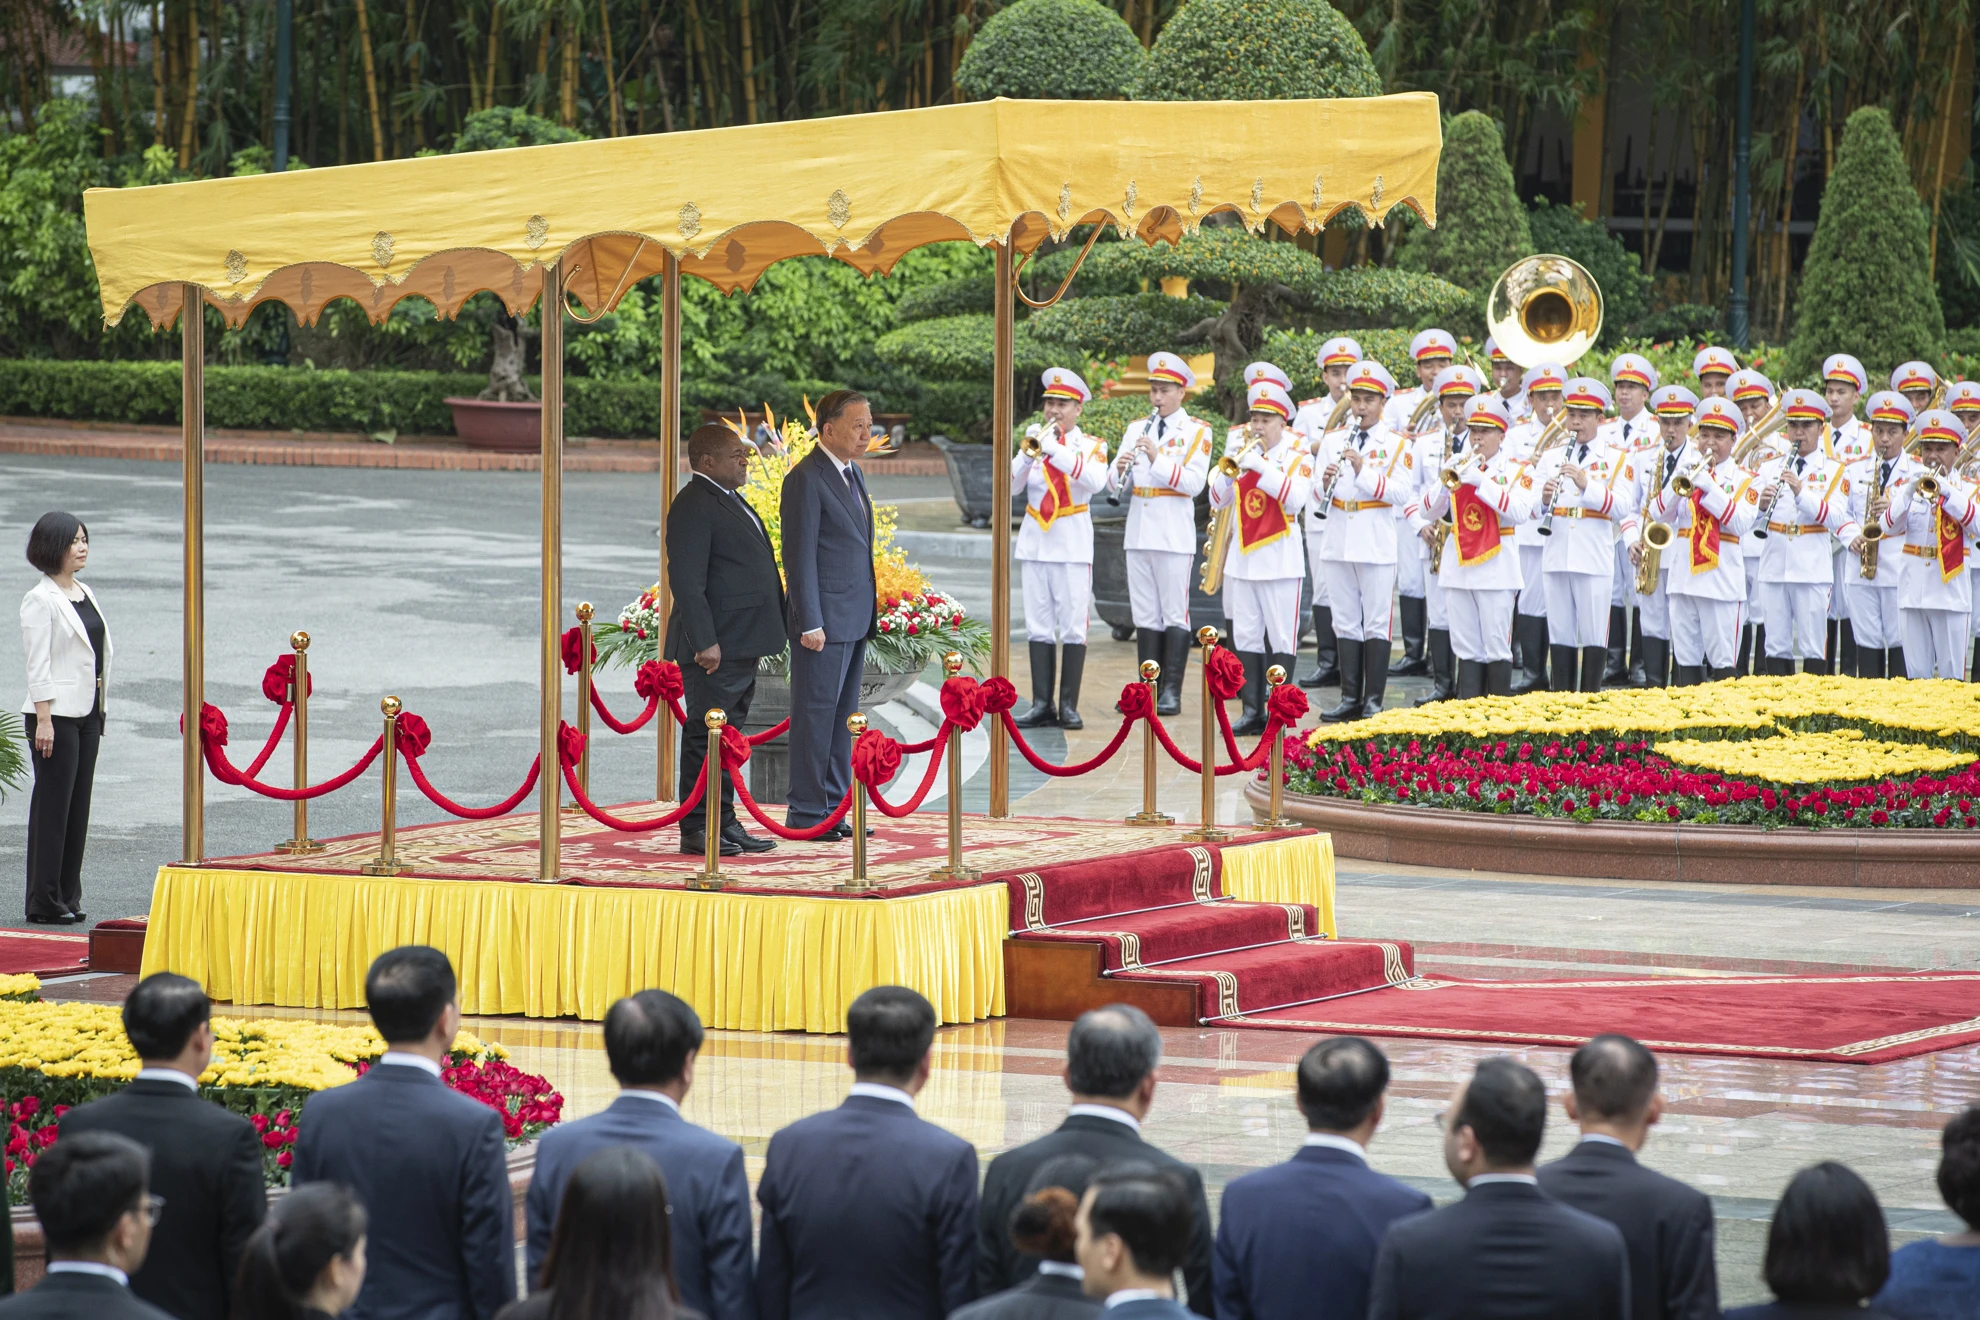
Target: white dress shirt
<point>168,1075</point>
<point>89,1267</point>
<point>1120,1116</point>
<point>876,1091</point>
<point>1115,1299</point>
<point>1328,1141</point>
<point>659,1096</point>
<point>1485,1178</point>
<point>407,1059</point>
<point>1061,1268</point>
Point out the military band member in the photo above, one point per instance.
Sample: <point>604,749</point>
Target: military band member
<point>1364,469</point>
<point>1846,440</point>
<point>1409,414</point>
<point>1506,381</point>
<point>1055,546</point>
<point>1707,578</point>
<point>1713,366</point>
<point>1435,449</point>
<point>1478,568</point>
<point>1963,399</point>
<point>1313,420</point>
<point>1934,596</point>
<point>1263,568</point>
<point>1646,475</point>
<point>1165,458</point>
<point>1804,498</point>
<point>1873,600</point>
<point>1754,394</point>
<point>1542,385</point>
<point>1631,432</point>
<point>1578,517</point>
<point>1917,382</point>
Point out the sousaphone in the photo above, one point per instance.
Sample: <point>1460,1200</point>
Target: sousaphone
<point>1546,308</point>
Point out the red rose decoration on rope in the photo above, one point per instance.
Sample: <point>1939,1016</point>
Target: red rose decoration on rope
<point>660,678</point>
<point>876,758</point>
<point>1287,704</point>
<point>1226,673</point>
<point>735,747</point>
<point>212,725</point>
<point>999,695</point>
<point>570,744</point>
<point>276,678</point>
<point>1135,703</point>
<point>574,650</point>
<point>414,736</point>
<point>962,701</point>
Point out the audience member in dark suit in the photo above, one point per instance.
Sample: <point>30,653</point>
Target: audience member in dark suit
<point>612,1255</point>
<point>1136,1227</point>
<point>306,1261</point>
<point>1507,1249</point>
<point>1111,1057</point>
<point>826,520</point>
<point>205,1162</point>
<point>728,613</point>
<point>96,1215</point>
<point>1043,1228</point>
<point>868,1210</point>
<point>651,1039</point>
<point>1828,1249</point>
<point>1939,1278</point>
<point>1666,1225</point>
<point>427,1162</point>
<point>1298,1240</point>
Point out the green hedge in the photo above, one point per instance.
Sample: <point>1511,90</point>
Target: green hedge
<point>1296,354</point>
<point>958,297</point>
<point>960,348</point>
<point>1135,323</point>
<point>1254,50</point>
<point>1062,50</point>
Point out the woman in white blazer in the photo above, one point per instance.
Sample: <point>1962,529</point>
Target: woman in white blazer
<point>68,664</point>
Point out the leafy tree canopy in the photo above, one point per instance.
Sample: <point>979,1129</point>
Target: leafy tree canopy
<point>1067,50</point>
<point>1481,226</point>
<point>1619,272</point>
<point>503,126</point>
<point>1257,50</point>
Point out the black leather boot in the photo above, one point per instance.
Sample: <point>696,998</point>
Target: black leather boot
<point>1147,646</point>
<point>1813,666</point>
<point>1326,670</point>
<point>1470,679</point>
<point>1639,676</point>
<point>1175,663</point>
<point>1443,668</point>
<point>1594,661</point>
<point>1043,658</point>
<point>1415,618</point>
<point>1974,673</point>
<point>1375,652</point>
<point>1498,678</point>
<point>1615,662</point>
<point>1842,649</point>
<point>1746,662</point>
<point>1284,662</point>
<point>1657,661</point>
<point>1563,667</point>
<point>1072,664</point>
<point>1349,707</point>
<point>1718,675</point>
<point>1870,661</point>
<point>1894,666</point>
<point>1759,648</point>
<point>1531,630</point>
<point>1688,675</point>
<point>1834,637</point>
<point>1251,698</point>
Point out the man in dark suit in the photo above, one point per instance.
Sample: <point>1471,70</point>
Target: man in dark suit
<point>427,1162</point>
<point>827,524</point>
<point>1507,1251</point>
<point>1135,1228</point>
<point>1111,1056</point>
<point>205,1161</point>
<point>650,1040</point>
<point>1667,1225</point>
<point>1299,1239</point>
<point>728,613</point>
<point>96,1213</point>
<point>869,1210</point>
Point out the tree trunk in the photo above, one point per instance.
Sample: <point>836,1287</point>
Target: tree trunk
<point>567,78</point>
<point>161,73</point>
<point>415,54</point>
<point>494,54</point>
<point>748,17</point>
<point>370,82</point>
<point>614,127</point>
<point>189,117</point>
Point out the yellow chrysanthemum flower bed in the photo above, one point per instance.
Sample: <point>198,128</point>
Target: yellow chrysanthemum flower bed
<point>21,985</point>
<point>1842,756</point>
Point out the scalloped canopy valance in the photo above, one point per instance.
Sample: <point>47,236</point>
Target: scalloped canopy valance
<point>729,202</point>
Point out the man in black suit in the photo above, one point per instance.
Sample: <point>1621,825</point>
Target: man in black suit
<point>205,1161</point>
<point>1135,1227</point>
<point>96,1213</point>
<point>1507,1251</point>
<point>1111,1057</point>
<point>728,613</point>
<point>1667,1225</point>
<point>868,1210</point>
<point>427,1162</point>
<point>827,524</point>
<point>1298,1240</point>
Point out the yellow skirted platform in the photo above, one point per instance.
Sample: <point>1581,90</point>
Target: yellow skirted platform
<point>745,961</point>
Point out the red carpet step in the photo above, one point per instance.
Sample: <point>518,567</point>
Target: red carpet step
<point>43,954</point>
<point>1156,929</point>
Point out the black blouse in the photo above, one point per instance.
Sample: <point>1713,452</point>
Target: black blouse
<point>92,623</point>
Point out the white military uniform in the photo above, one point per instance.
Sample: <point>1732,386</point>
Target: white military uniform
<point>1411,555</point>
<point>1478,597</point>
<point>1630,438</point>
<point>1578,559</point>
<point>1873,602</point>
<point>1935,597</point>
<point>1261,583</point>
<point>1706,600</point>
<point>1311,423</point>
<point>1644,475</point>
<point>1358,546</point>
<point>1161,521</point>
<point>1055,544</point>
<point>1796,567</point>
<point>1434,450</point>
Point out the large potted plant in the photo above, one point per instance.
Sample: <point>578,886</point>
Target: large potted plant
<point>507,415</point>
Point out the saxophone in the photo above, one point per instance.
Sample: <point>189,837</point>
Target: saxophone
<point>1657,537</point>
<point>1217,545</point>
<point>1873,529</point>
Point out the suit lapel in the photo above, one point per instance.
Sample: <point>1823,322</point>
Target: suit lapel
<point>844,489</point>
<point>733,505</point>
<point>66,608</point>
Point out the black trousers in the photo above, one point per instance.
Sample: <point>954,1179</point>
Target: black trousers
<point>58,814</point>
<point>729,688</point>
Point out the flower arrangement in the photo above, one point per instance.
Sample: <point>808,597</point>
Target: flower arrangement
<point>1843,755</point>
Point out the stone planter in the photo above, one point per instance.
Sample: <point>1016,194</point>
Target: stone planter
<point>770,762</point>
<point>510,427</point>
<point>970,477</point>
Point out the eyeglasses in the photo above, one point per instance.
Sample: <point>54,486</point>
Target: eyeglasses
<point>153,1208</point>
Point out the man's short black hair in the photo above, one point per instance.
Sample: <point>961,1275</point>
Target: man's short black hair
<point>407,989</point>
<point>82,1185</point>
<point>837,402</point>
<point>1110,1050</point>
<point>1614,1077</point>
<point>1828,1242</point>
<point>1340,1083</point>
<point>890,1029</point>
<point>648,1037</point>
<point>162,1013</point>
<point>708,440</point>
<point>1959,1165</point>
<point>49,542</point>
<point>1148,1208</point>
<point>1505,1106</point>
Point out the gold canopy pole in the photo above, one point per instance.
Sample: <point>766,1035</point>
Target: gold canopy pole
<point>1003,366</point>
<point>549,782</point>
<point>192,376</point>
<point>670,466</point>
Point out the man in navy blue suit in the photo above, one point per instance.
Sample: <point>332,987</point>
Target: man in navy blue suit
<point>651,1039</point>
<point>1133,1233</point>
<point>1299,1239</point>
<point>827,528</point>
<point>427,1162</point>
<point>868,1209</point>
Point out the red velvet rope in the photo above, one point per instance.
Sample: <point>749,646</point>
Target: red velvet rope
<point>453,808</point>
<point>274,737</point>
<point>785,831</point>
<point>606,818</point>
<point>1259,754</point>
<point>927,780</point>
<point>1069,770</point>
<point>617,725</point>
<point>213,740</point>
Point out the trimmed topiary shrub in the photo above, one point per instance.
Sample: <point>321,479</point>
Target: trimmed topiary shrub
<point>1256,50</point>
<point>1062,50</point>
<point>1481,225</point>
<point>957,297</point>
<point>1619,272</point>
<point>1294,352</point>
<point>958,352</point>
<point>1122,325</point>
<point>1866,287</point>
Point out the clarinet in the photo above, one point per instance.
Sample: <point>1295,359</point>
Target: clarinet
<point>1119,482</point>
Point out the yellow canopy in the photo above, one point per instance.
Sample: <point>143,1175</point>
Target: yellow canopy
<point>731,201</point>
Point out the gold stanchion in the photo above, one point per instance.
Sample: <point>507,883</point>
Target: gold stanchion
<point>670,465</point>
<point>710,875</point>
<point>386,863</point>
<point>299,697</point>
<point>584,696</point>
<point>192,440</point>
<point>858,884</point>
<point>1150,673</point>
<point>1207,832</point>
<point>1273,820</point>
<point>955,871</point>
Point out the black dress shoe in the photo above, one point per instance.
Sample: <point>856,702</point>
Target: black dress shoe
<point>742,838</point>
<point>841,832</point>
<point>61,919</point>
<point>697,845</point>
<point>79,917</point>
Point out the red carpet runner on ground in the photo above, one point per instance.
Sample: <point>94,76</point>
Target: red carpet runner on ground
<point>1161,916</point>
<point>43,955</point>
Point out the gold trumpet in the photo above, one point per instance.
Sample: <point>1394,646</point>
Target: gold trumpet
<point>1033,443</point>
<point>1929,487</point>
<point>1232,466</point>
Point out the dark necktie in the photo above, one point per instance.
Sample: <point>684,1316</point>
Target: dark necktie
<point>1884,477</point>
<point>1360,437</point>
<point>1161,425</point>
<point>1457,443</point>
<point>1625,435</point>
<point>1800,465</point>
<point>1664,469</point>
<point>1581,455</point>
